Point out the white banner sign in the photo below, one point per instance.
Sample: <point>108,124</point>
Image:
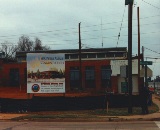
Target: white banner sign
<point>45,73</point>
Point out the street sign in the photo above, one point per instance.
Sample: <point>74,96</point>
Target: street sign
<point>145,62</point>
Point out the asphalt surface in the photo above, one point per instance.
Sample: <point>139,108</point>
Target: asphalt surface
<point>134,125</point>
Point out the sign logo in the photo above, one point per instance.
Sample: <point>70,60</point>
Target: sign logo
<point>35,88</point>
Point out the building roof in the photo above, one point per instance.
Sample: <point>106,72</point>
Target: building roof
<point>71,51</point>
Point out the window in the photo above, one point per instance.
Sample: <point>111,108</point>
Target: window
<point>66,56</point>
<point>74,77</point>
<point>14,77</point>
<point>91,55</point>
<point>90,77</point>
<point>106,76</point>
<point>100,55</point>
<point>119,54</point>
<point>74,56</point>
<point>108,55</point>
<point>84,55</point>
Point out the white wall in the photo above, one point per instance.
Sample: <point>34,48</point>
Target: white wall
<point>115,66</point>
<point>135,84</point>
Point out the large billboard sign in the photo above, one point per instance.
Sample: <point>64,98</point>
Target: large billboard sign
<point>45,73</point>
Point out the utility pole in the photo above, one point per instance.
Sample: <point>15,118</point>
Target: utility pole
<point>138,49</point>
<point>80,61</point>
<point>130,5</point>
<point>143,54</point>
<point>146,82</point>
<point>143,61</point>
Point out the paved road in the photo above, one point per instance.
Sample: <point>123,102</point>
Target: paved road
<point>141,125</point>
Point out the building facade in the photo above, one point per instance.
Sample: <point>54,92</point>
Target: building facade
<point>89,71</point>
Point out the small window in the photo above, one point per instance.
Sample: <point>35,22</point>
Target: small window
<point>100,55</point>
<point>74,56</point>
<point>119,55</point>
<point>110,55</point>
<point>84,55</point>
<point>91,55</point>
<point>66,56</point>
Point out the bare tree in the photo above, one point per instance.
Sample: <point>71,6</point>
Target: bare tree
<point>38,45</point>
<point>9,49</point>
<point>46,48</point>
<point>25,44</point>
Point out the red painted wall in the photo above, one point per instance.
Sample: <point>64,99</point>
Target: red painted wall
<point>5,71</point>
<point>96,63</point>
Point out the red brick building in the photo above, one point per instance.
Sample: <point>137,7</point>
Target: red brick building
<point>95,69</point>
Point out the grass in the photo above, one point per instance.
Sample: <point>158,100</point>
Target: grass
<point>124,111</point>
<point>85,114</point>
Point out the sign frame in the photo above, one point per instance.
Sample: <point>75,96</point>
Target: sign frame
<point>45,73</point>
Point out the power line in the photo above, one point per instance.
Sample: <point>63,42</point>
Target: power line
<point>152,57</point>
<point>51,31</point>
<point>152,50</point>
<point>107,37</point>
<point>67,33</point>
<point>151,4</point>
<point>102,32</point>
<point>121,27</point>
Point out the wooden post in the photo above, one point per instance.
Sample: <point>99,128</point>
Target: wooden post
<point>80,61</point>
<point>138,49</point>
<point>130,56</point>
<point>107,106</point>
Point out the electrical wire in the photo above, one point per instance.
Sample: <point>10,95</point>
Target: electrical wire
<point>152,57</point>
<point>151,4</point>
<point>51,31</point>
<point>56,33</point>
<point>121,26</point>
<point>152,50</point>
<point>106,37</point>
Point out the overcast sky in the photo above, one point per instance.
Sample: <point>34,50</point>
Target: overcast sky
<point>55,23</point>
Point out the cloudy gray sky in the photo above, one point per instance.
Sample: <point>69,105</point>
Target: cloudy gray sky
<point>55,23</point>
